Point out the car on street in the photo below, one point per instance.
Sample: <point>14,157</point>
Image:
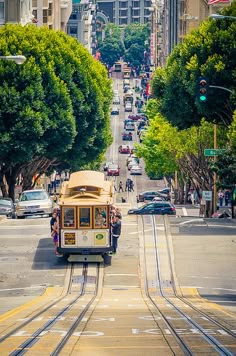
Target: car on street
<point>158,208</point>
<point>132,163</point>
<point>124,149</point>
<point>7,207</point>
<point>105,166</point>
<point>34,202</point>
<point>149,195</point>
<point>113,170</point>
<point>158,199</point>
<point>128,107</point>
<point>116,92</point>
<point>135,170</point>
<point>129,126</point>
<point>136,117</point>
<point>127,136</point>
<point>116,100</point>
<point>115,110</point>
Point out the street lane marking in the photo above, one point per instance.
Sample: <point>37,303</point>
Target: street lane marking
<point>185,211</point>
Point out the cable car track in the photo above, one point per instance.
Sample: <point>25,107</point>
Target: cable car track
<point>172,298</point>
<point>47,327</point>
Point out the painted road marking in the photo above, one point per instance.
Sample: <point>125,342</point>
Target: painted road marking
<point>189,221</point>
<point>185,211</point>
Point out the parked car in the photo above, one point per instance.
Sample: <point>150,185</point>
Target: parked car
<point>116,100</point>
<point>128,107</point>
<point>127,136</point>
<point>7,207</point>
<point>136,117</point>
<point>115,110</point>
<point>135,170</point>
<point>124,149</point>
<point>129,126</point>
<point>149,195</point>
<point>34,202</point>
<point>105,166</point>
<point>116,92</point>
<point>132,163</point>
<point>158,199</point>
<point>127,121</point>
<point>158,208</point>
<point>113,170</point>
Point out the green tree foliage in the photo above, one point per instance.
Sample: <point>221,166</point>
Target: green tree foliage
<point>210,52</point>
<point>111,50</point>
<point>54,109</point>
<point>136,39</point>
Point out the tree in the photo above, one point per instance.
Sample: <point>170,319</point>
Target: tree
<point>53,110</point>
<point>111,50</point>
<point>210,52</point>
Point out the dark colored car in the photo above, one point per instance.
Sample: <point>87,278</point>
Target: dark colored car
<point>149,195</point>
<point>158,208</point>
<point>127,136</point>
<point>7,207</point>
<point>136,117</point>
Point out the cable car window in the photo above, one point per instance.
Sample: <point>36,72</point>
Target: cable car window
<point>68,217</point>
<point>85,217</point>
<point>100,217</point>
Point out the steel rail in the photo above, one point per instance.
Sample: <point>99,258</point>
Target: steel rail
<point>78,319</point>
<point>36,335</point>
<point>210,339</point>
<point>28,321</point>
<point>184,347</point>
<point>183,299</point>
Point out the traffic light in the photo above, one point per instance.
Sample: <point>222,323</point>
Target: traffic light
<point>202,89</point>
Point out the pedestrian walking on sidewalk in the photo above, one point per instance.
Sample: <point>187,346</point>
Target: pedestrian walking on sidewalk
<point>116,231</point>
<point>120,187</point>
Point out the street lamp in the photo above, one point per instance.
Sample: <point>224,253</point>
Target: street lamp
<point>17,59</point>
<point>220,17</point>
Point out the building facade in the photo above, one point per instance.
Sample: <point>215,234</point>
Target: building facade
<point>53,14</point>
<point>172,20</point>
<point>15,11</point>
<point>82,23</point>
<point>126,12</point>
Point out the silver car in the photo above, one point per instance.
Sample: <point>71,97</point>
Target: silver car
<point>34,202</point>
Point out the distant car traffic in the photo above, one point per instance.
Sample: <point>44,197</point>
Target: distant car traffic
<point>7,207</point>
<point>158,208</point>
<point>128,107</point>
<point>127,136</point>
<point>115,110</point>
<point>113,170</point>
<point>149,195</point>
<point>129,126</point>
<point>116,100</point>
<point>135,170</point>
<point>136,117</point>
<point>132,163</point>
<point>34,202</point>
<point>124,149</point>
<point>105,166</point>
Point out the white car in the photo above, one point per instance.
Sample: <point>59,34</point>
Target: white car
<point>34,202</point>
<point>128,106</point>
<point>136,170</point>
<point>116,92</point>
<point>116,100</point>
<point>115,110</point>
<point>132,163</point>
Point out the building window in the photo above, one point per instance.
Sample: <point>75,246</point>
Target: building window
<point>147,4</point>
<point>50,9</point>
<point>34,3</point>
<point>136,13</point>
<point>123,13</point>
<point>73,16</point>
<point>2,15</point>
<point>45,16</point>
<point>123,21</point>
<point>136,4</point>
<point>146,12</point>
<point>123,5</point>
<point>73,30</point>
